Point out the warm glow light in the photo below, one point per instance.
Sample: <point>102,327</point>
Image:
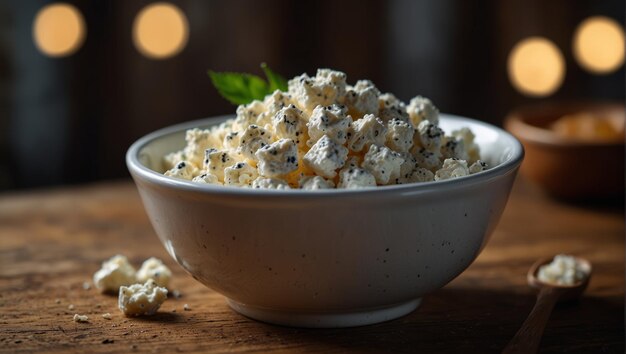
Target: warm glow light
<point>599,45</point>
<point>160,30</point>
<point>58,30</point>
<point>536,67</point>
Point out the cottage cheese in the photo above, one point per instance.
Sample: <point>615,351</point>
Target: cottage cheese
<point>563,270</point>
<point>141,299</point>
<point>115,272</point>
<point>303,138</point>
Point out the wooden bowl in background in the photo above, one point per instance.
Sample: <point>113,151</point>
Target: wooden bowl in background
<point>565,166</point>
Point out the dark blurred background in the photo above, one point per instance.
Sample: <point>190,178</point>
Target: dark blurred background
<point>69,118</point>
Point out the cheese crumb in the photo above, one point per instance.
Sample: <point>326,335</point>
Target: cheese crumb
<point>114,273</point>
<point>141,299</point>
<point>186,307</point>
<point>80,318</point>
<point>107,316</point>
<point>153,268</point>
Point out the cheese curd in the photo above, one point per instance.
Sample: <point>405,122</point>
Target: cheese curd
<point>354,177</point>
<point>429,135</point>
<point>391,107</point>
<point>452,168</point>
<point>320,90</point>
<point>420,109</point>
<point>315,182</point>
<point>365,132</point>
<point>325,157</point>
<point>115,272</point>
<point>206,178</point>
<point>331,121</point>
<point>427,159</point>
<point>278,158</point>
<point>270,183</point>
<point>183,170</point>
<point>240,174</point>
<point>291,123</point>
<point>198,140</point>
<point>383,163</point>
<point>362,98</point>
<point>323,133</point>
<point>466,136</point>
<point>478,166</point>
<point>153,268</point>
<point>399,135</point>
<point>141,299</point>
<point>248,114</point>
<point>453,148</point>
<point>216,161</point>
<point>252,139</point>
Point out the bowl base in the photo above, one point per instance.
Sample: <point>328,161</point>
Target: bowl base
<point>326,320</point>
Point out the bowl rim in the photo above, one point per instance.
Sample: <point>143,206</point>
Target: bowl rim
<point>138,170</point>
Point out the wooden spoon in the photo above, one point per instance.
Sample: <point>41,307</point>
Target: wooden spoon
<point>528,337</point>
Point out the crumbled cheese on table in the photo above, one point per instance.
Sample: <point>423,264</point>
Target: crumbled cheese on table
<point>80,318</point>
<point>141,299</point>
<point>114,273</point>
<point>153,268</point>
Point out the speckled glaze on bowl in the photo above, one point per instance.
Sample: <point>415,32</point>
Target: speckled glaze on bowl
<point>331,258</point>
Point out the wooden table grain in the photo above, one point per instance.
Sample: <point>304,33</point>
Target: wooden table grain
<point>52,241</point>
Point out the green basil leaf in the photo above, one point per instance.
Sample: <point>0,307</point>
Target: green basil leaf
<point>239,88</point>
<point>276,81</point>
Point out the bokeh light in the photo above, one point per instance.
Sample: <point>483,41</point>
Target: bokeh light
<point>160,30</point>
<point>59,30</point>
<point>536,67</point>
<point>599,45</point>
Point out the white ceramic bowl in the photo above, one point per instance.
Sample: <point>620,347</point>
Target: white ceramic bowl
<point>330,258</point>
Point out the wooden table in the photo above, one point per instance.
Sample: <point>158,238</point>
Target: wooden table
<point>52,241</point>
